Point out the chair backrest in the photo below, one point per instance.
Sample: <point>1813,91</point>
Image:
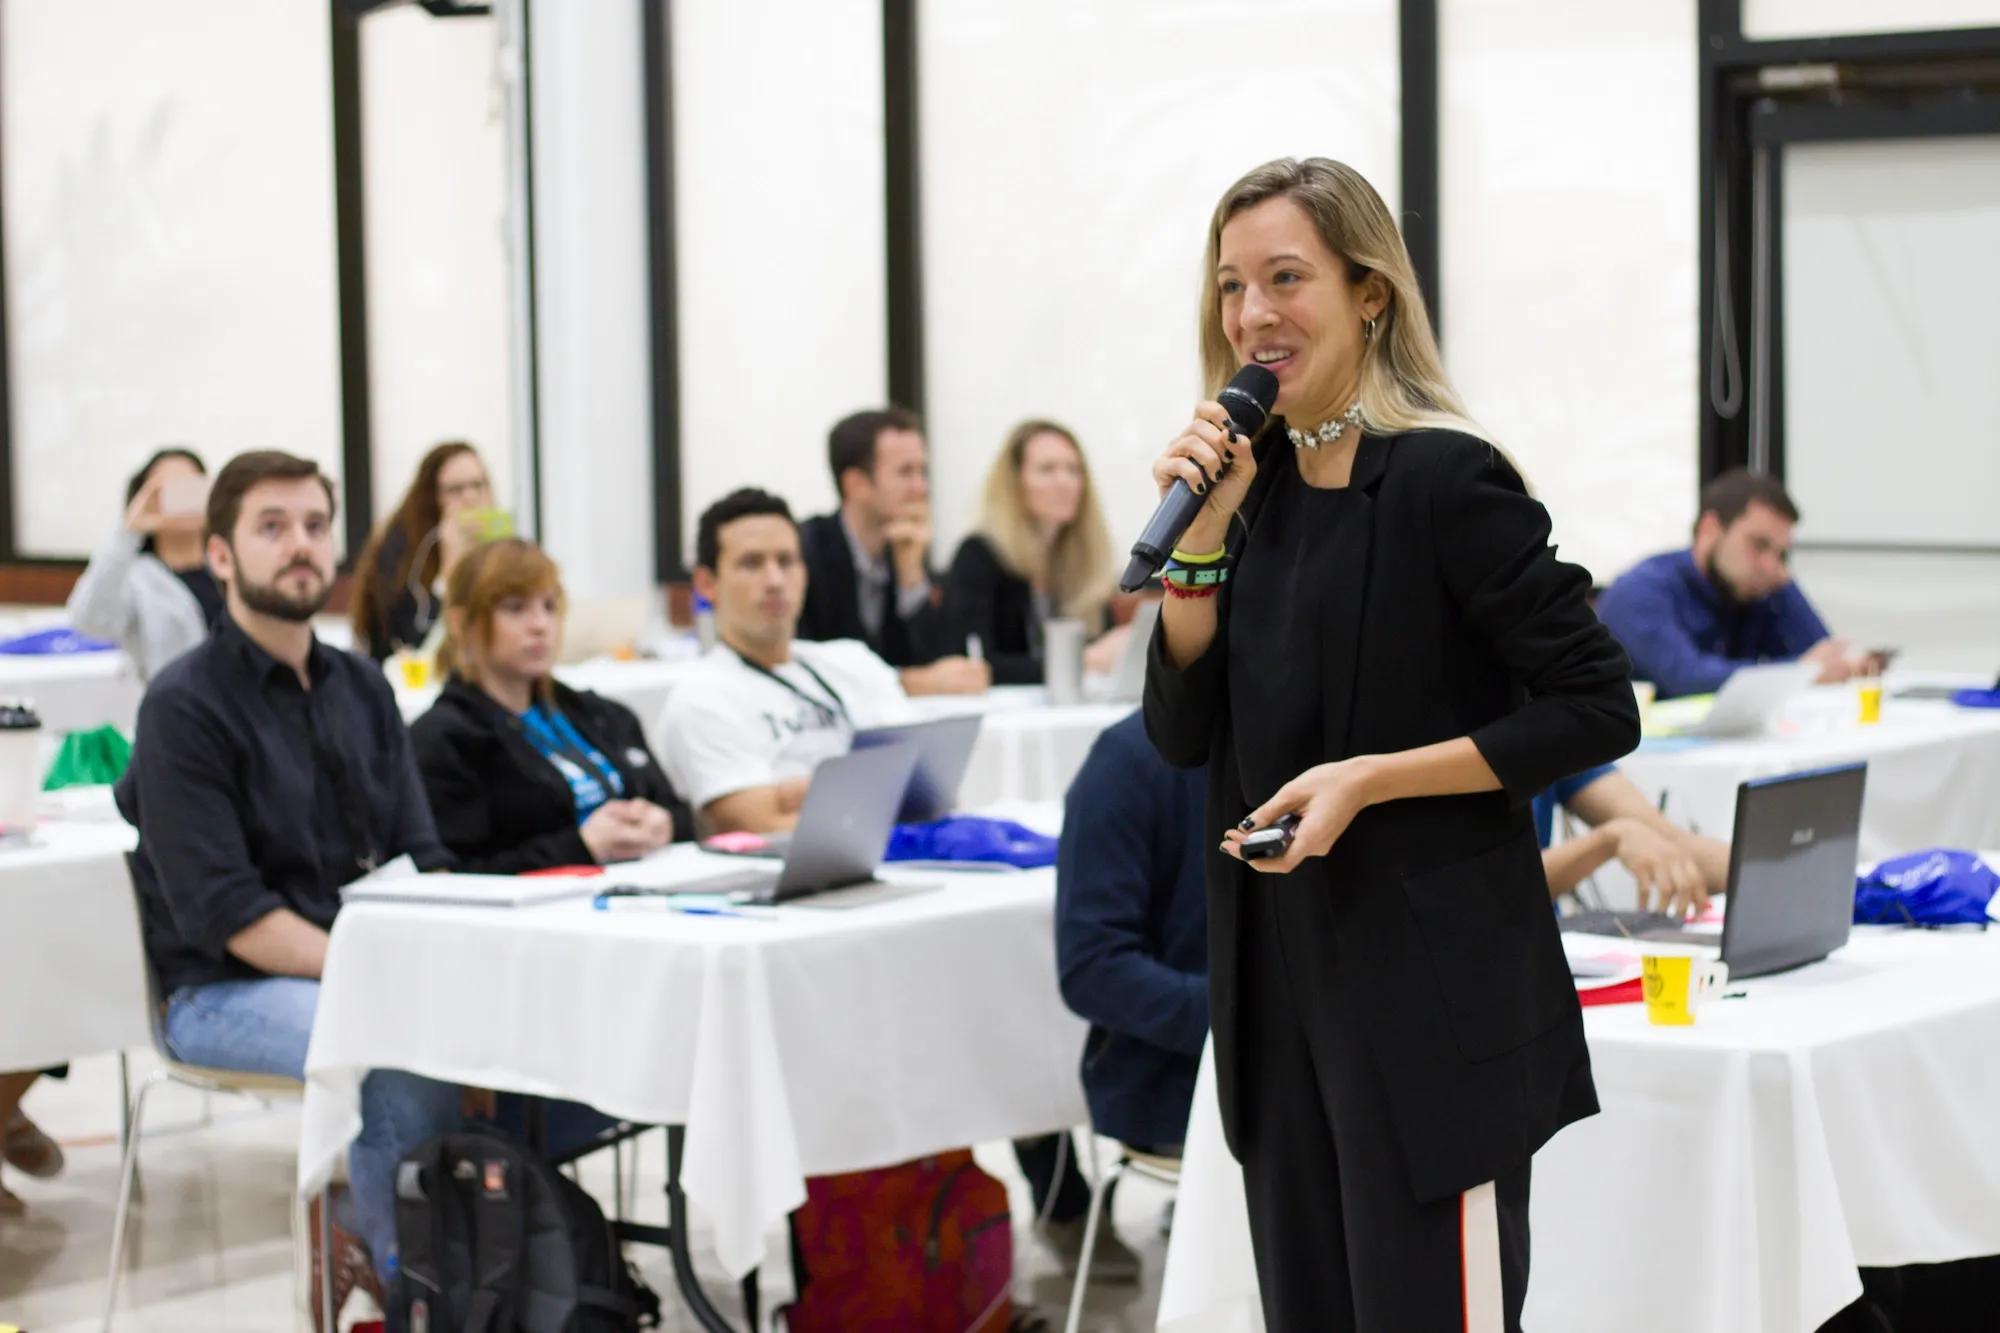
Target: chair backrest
<point>156,1003</point>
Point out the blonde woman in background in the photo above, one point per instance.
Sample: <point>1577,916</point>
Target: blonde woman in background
<point>1041,551</point>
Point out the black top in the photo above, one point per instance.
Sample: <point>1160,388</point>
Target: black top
<point>1450,616</point>
<point>252,793</point>
<point>833,602</point>
<point>406,619</point>
<point>501,807</point>
<point>984,597</point>
<point>207,592</point>
<point>1291,591</point>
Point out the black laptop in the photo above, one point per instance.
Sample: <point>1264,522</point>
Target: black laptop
<point>1792,862</point>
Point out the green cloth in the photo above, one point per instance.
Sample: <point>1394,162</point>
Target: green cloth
<point>89,758</point>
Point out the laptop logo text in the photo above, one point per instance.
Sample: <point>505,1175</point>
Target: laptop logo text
<point>1803,837</point>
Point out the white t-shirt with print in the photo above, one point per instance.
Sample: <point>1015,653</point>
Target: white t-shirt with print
<point>728,727</point>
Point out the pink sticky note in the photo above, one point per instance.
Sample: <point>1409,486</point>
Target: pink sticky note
<point>741,841</point>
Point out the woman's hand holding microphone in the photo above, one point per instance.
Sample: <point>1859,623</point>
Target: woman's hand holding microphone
<point>1198,456</point>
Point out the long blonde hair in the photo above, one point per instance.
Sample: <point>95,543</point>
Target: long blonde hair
<point>1403,384</point>
<point>1076,568</point>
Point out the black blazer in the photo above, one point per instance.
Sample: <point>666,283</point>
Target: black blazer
<point>984,597</point>
<point>833,602</point>
<point>403,622</point>
<point>1467,625</point>
<point>500,807</point>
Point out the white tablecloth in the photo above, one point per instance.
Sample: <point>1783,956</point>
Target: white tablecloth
<point>1933,770</point>
<point>72,980</point>
<point>1841,1115</point>
<point>821,1041</point>
<point>76,691</point>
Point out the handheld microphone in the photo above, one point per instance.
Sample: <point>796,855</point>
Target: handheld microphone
<point>1247,398</point>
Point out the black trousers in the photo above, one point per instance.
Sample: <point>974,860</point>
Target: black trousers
<point>1049,1161</point>
<point>1341,1241</point>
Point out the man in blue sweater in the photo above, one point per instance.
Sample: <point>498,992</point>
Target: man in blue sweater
<point>1688,619</point>
<point>1131,954</point>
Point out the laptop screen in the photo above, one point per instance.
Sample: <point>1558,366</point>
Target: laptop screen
<point>1791,869</point>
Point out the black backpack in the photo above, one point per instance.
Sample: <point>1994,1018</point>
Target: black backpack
<point>493,1239</point>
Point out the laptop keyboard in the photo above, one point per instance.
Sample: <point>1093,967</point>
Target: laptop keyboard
<point>1635,925</point>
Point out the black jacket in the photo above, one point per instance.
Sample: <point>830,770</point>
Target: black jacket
<point>984,597</point>
<point>833,602</point>
<point>1467,625</point>
<point>404,620</point>
<point>500,807</point>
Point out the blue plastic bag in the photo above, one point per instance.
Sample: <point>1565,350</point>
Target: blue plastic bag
<point>972,838</point>
<point>1939,887</point>
<point>53,642</point>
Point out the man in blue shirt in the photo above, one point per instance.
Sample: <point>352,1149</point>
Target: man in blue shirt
<point>1132,958</point>
<point>1688,619</point>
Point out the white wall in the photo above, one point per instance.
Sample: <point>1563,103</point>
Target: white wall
<point>1570,294</point>
<point>1073,151</point>
<point>433,141</point>
<point>781,243</point>
<point>593,296</point>
<point>170,245</point>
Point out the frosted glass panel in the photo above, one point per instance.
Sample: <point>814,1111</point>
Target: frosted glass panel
<point>1771,19</point>
<point>1073,150</point>
<point>434,142</point>
<point>170,266</point>
<point>1892,333</point>
<point>779,214</point>
<point>1570,295</point>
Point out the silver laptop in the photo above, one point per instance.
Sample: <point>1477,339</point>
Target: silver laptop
<point>1792,861</point>
<point>843,829</point>
<point>944,749</point>
<point>1748,700</point>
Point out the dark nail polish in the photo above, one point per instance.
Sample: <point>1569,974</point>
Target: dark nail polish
<point>1249,822</point>
<point>1230,431</point>
<point>1200,489</point>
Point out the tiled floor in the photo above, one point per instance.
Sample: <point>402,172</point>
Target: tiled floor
<point>211,1248</point>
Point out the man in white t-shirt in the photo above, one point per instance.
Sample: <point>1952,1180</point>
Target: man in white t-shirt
<point>744,731</point>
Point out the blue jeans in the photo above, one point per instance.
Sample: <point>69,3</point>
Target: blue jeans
<point>262,1027</point>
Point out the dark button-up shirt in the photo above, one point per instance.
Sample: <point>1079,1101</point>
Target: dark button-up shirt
<point>252,793</point>
<point>1684,637</point>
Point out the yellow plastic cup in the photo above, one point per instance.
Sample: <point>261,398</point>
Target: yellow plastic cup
<point>1676,986</point>
<point>1869,692</point>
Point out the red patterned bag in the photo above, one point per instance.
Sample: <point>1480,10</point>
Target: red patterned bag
<point>925,1247</point>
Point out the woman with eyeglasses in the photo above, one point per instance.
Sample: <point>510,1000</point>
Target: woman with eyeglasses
<point>400,575</point>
